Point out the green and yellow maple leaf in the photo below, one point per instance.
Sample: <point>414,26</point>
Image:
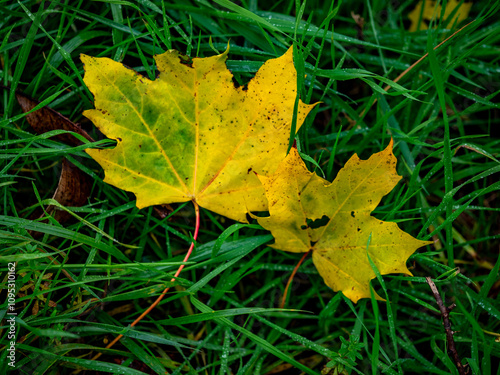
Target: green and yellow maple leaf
<point>191,134</point>
<point>333,220</point>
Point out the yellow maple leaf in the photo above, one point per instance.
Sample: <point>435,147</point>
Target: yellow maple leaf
<point>191,134</point>
<point>333,220</point>
<point>431,10</point>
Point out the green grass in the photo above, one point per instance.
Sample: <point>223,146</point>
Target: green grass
<point>108,265</point>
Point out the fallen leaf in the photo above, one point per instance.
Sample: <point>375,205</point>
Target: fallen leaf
<point>46,119</point>
<point>29,288</point>
<point>74,185</point>
<point>190,134</point>
<point>432,9</point>
<point>333,220</point>
<point>72,190</point>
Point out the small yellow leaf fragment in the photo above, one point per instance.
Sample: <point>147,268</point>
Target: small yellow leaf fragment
<point>191,134</point>
<point>333,220</point>
<point>432,10</point>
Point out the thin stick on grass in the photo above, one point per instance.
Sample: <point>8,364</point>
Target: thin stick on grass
<point>386,88</point>
<point>445,313</point>
<point>162,295</point>
<point>283,300</point>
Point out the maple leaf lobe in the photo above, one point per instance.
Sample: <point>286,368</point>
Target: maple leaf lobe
<point>298,198</point>
<point>190,134</point>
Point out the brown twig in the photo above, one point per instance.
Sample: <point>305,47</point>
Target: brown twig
<point>445,313</point>
<point>163,294</point>
<point>283,300</point>
<point>386,88</point>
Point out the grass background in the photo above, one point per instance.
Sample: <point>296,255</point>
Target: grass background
<point>447,139</point>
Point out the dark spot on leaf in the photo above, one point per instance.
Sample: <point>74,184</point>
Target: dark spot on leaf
<point>318,223</point>
<point>185,60</point>
<point>352,214</point>
<point>119,139</point>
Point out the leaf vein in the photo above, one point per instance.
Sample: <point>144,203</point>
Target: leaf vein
<point>153,136</point>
